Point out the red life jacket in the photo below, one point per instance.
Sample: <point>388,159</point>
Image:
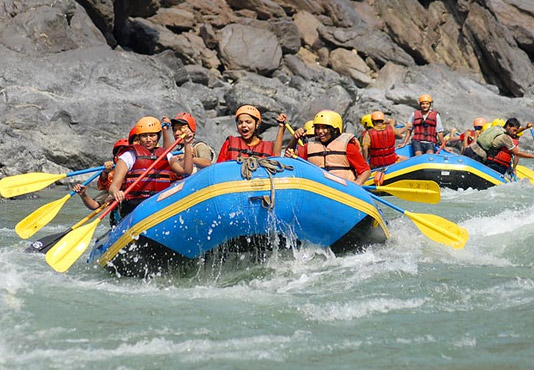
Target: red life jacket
<point>425,129</point>
<point>470,135</point>
<point>156,180</point>
<point>382,148</point>
<point>503,156</point>
<point>333,157</point>
<point>238,148</point>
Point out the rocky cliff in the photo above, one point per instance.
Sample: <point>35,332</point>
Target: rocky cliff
<point>76,75</point>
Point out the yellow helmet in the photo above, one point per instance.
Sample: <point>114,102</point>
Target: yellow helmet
<point>329,118</point>
<point>308,127</point>
<point>485,126</point>
<point>425,98</point>
<point>498,122</point>
<point>366,121</point>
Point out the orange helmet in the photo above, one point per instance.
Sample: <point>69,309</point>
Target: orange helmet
<point>425,98</point>
<point>378,116</point>
<point>149,125</point>
<point>479,122</point>
<point>185,118</point>
<point>250,110</point>
<point>121,143</point>
<point>132,135</point>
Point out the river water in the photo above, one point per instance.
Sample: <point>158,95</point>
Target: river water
<point>408,303</point>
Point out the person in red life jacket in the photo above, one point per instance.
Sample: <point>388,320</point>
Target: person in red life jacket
<point>248,121</point>
<point>203,154</point>
<point>104,183</point>
<point>495,147</point>
<point>309,134</point>
<point>106,177</point>
<point>335,151</point>
<point>469,137</point>
<point>138,157</point>
<point>378,143</point>
<point>426,124</point>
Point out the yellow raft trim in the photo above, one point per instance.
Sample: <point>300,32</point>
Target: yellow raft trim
<point>240,187</point>
<point>437,166</point>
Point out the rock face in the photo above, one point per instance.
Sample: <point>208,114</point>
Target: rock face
<point>76,75</point>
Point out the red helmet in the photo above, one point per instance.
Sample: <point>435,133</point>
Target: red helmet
<point>121,143</point>
<point>185,118</point>
<point>132,135</point>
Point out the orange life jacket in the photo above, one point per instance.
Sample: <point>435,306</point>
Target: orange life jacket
<point>333,157</point>
<point>238,148</point>
<point>382,148</point>
<point>156,180</point>
<point>425,129</point>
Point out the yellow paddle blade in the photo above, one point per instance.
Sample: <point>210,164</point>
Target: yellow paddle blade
<point>12,186</point>
<point>440,229</point>
<point>423,191</point>
<point>525,173</point>
<point>67,251</point>
<point>39,218</point>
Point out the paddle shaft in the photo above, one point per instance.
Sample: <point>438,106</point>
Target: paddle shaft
<point>87,170</point>
<point>141,177</point>
<point>88,181</point>
<point>292,132</point>
<point>377,198</point>
<point>44,244</point>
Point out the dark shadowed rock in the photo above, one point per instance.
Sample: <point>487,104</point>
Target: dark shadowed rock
<point>252,49</point>
<point>288,35</point>
<point>103,16</point>
<point>501,60</point>
<point>175,65</point>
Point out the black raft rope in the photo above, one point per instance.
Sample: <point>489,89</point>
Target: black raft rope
<point>271,166</point>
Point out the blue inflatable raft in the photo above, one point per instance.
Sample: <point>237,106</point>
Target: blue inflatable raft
<point>219,206</point>
<point>449,170</point>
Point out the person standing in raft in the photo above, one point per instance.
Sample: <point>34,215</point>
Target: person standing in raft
<point>248,120</point>
<point>378,143</point>
<point>495,147</point>
<point>335,151</point>
<point>138,157</point>
<point>426,124</point>
<point>203,154</point>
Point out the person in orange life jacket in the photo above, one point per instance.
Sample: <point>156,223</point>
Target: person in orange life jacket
<point>495,147</point>
<point>378,143</point>
<point>203,154</point>
<point>248,120</point>
<point>138,158</point>
<point>335,151</point>
<point>426,124</point>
